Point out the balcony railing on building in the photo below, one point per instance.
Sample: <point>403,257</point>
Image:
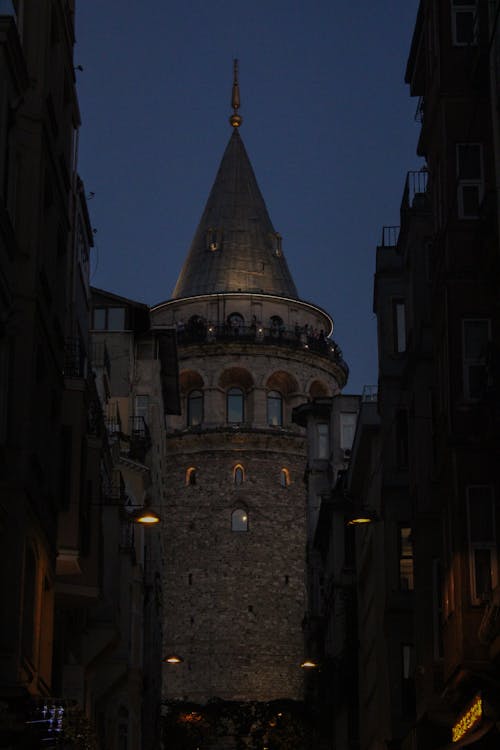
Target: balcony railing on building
<point>297,338</point>
<point>75,358</point>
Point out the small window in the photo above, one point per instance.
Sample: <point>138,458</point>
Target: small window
<point>347,430</point>
<point>284,477</point>
<point>274,409</point>
<point>399,325</point>
<point>99,318</point>
<point>470,179</point>
<point>406,580</point>
<point>476,338</point>
<point>239,520</point>
<point>482,541</point>
<point>463,20</point>
<point>235,406</point>
<point>323,437</point>
<point>191,476</point>
<point>195,408</point>
<point>238,475</point>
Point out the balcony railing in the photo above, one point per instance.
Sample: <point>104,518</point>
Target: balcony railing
<point>75,358</point>
<point>415,186</point>
<point>297,338</point>
<point>113,420</point>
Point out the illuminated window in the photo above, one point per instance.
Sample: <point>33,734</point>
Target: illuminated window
<point>239,520</point>
<point>463,19</point>
<point>284,477</point>
<point>482,541</point>
<point>476,337</point>
<point>406,582</point>
<point>235,406</point>
<point>238,475</point>
<point>275,408</point>
<point>194,408</point>
<point>191,476</point>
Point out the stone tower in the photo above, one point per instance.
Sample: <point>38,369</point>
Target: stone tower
<point>235,503</point>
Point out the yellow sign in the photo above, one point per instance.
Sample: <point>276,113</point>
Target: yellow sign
<point>468,720</point>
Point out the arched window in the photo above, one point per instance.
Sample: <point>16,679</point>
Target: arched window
<point>274,408</point>
<point>239,475</point>
<point>191,475</point>
<point>284,477</point>
<point>194,408</point>
<point>277,326</point>
<point>235,406</point>
<point>239,520</point>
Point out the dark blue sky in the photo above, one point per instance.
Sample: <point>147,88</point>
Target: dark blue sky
<point>327,121</point>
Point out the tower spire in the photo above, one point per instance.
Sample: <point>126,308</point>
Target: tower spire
<point>235,118</point>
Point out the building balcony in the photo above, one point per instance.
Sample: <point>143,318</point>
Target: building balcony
<point>297,338</point>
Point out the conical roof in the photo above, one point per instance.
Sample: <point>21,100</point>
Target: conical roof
<point>235,248</point>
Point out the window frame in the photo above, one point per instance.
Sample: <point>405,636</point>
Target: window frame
<point>462,7</point>
<point>468,362</point>
<point>231,392</point>
<point>399,325</point>
<point>322,441</point>
<point>272,398</point>
<point>477,597</point>
<point>469,182</point>
<point>284,477</point>
<point>238,471</point>
<point>344,425</point>
<point>189,399</point>
<point>106,309</point>
<point>243,520</point>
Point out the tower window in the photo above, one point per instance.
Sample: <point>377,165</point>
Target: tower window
<point>235,406</point>
<point>239,475</point>
<point>284,477</point>
<point>191,476</point>
<point>236,323</point>
<point>275,409</point>
<point>194,408</point>
<point>239,520</point>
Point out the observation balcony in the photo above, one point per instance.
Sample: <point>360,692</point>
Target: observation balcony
<point>297,338</point>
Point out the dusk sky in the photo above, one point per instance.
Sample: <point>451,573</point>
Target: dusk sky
<point>328,124</point>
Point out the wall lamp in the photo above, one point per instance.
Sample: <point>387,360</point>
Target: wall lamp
<point>173,659</point>
<point>361,515</point>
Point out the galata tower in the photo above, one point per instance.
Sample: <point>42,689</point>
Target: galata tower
<point>235,507</point>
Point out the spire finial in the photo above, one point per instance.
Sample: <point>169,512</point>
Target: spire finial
<point>235,118</point>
